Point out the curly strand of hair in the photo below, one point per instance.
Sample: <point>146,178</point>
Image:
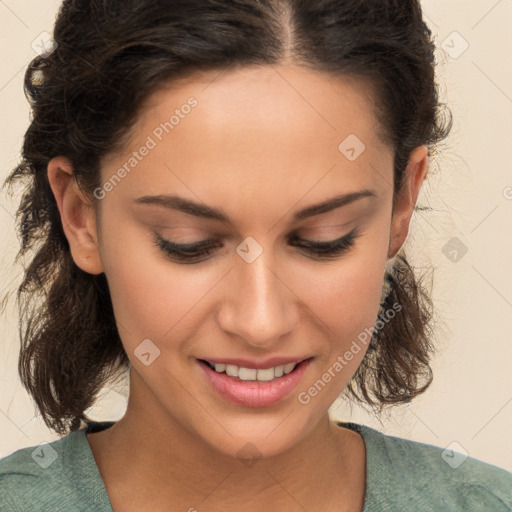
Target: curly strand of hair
<point>396,366</point>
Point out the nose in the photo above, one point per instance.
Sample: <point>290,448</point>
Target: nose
<point>259,307</point>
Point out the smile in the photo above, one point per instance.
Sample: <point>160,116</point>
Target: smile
<point>252,374</point>
<point>253,387</point>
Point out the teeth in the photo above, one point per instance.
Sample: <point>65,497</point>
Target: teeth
<point>267,374</point>
<point>289,367</point>
<point>247,374</point>
<point>264,374</point>
<point>231,370</point>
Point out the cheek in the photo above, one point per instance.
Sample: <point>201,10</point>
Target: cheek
<point>152,298</point>
<point>345,296</point>
<point>347,302</point>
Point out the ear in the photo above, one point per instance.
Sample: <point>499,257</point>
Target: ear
<point>406,198</point>
<point>77,215</point>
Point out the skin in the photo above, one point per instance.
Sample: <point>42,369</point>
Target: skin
<point>261,144</point>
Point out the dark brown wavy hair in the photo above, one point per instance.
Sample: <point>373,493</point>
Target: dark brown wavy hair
<point>85,97</point>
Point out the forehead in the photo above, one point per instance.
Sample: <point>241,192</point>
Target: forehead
<point>274,97</point>
<point>280,127</point>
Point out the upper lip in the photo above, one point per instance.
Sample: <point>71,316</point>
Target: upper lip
<point>257,365</point>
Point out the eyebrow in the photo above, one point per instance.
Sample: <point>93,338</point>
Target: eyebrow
<point>201,210</point>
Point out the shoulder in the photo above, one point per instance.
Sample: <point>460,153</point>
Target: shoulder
<point>425,474</point>
<point>53,477</point>
<point>29,475</point>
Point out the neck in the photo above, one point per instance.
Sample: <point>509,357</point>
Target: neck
<point>152,450</point>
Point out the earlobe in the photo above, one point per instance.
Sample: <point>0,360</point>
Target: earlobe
<point>407,197</point>
<point>77,216</point>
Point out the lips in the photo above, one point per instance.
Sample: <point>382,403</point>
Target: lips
<point>246,389</point>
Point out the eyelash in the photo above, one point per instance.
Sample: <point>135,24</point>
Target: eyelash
<point>185,253</point>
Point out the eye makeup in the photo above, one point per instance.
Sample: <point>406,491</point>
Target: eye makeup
<point>199,251</point>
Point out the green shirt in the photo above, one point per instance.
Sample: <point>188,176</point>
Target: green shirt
<point>402,475</point>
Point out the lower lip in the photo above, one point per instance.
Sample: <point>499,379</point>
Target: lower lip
<point>254,393</point>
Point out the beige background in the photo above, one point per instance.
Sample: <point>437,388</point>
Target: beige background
<point>469,191</point>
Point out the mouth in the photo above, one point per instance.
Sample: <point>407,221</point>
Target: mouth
<point>252,374</point>
<point>253,387</point>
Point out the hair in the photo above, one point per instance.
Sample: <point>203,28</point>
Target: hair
<point>85,96</point>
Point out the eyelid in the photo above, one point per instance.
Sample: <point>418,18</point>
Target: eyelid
<point>316,227</point>
<point>193,247</point>
<point>295,238</point>
<point>326,243</point>
<point>189,253</point>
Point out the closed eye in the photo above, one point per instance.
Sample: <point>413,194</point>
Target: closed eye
<point>327,249</point>
<point>190,253</point>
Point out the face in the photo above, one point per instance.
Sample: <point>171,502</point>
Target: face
<point>276,281</point>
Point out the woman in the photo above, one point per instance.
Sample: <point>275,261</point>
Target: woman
<point>223,190</point>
